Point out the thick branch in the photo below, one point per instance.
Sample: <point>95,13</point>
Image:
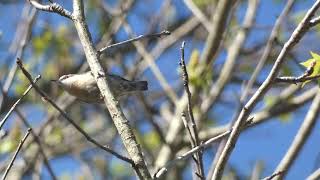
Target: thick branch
<point>112,104</point>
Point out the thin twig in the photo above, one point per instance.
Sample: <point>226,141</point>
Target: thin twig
<point>15,154</point>
<point>302,78</point>
<point>301,137</point>
<point>194,130</point>
<point>315,21</point>
<point>37,140</point>
<point>198,13</point>
<point>274,33</point>
<point>53,7</point>
<point>185,123</point>
<point>20,41</point>
<point>18,101</point>
<point>188,154</point>
<point>64,114</point>
<point>156,35</point>
<point>273,175</point>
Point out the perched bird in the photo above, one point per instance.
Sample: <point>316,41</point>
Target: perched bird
<point>84,87</point>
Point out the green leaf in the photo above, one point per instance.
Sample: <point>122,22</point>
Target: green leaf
<point>316,69</point>
<point>7,146</point>
<point>151,139</point>
<point>285,118</point>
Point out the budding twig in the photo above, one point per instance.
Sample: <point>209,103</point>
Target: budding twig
<point>306,76</point>
<point>53,7</point>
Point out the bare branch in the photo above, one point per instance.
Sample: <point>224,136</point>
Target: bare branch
<point>296,36</point>
<point>315,175</point>
<point>53,7</point>
<point>268,48</point>
<point>37,140</point>
<point>153,66</point>
<point>141,37</point>
<point>15,154</point>
<point>18,101</point>
<point>188,154</point>
<point>198,13</point>
<point>315,21</point>
<point>194,135</point>
<point>20,41</point>
<point>122,124</point>
<point>300,138</point>
<point>274,175</point>
<point>219,20</point>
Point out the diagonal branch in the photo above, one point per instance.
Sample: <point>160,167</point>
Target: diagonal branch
<point>138,38</point>
<point>13,107</point>
<point>301,137</point>
<point>15,154</point>
<point>273,35</point>
<point>38,141</point>
<point>296,36</point>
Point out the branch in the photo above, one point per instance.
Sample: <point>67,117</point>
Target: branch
<point>13,107</point>
<point>21,38</point>
<point>53,7</point>
<point>188,154</point>
<point>273,175</point>
<point>230,63</point>
<point>269,113</point>
<point>303,78</point>
<point>301,137</point>
<point>37,139</point>
<point>15,154</point>
<point>153,66</point>
<point>195,138</point>
<point>268,48</point>
<point>48,99</point>
<point>118,117</point>
<point>198,14</point>
<point>315,175</point>
<point>156,35</point>
<point>296,36</point>
<point>219,20</point>
<point>315,21</point>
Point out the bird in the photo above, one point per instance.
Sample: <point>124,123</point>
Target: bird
<point>83,86</point>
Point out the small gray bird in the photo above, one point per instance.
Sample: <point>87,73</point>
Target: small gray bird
<point>84,87</point>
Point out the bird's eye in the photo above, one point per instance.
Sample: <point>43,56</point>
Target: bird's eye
<point>64,77</point>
